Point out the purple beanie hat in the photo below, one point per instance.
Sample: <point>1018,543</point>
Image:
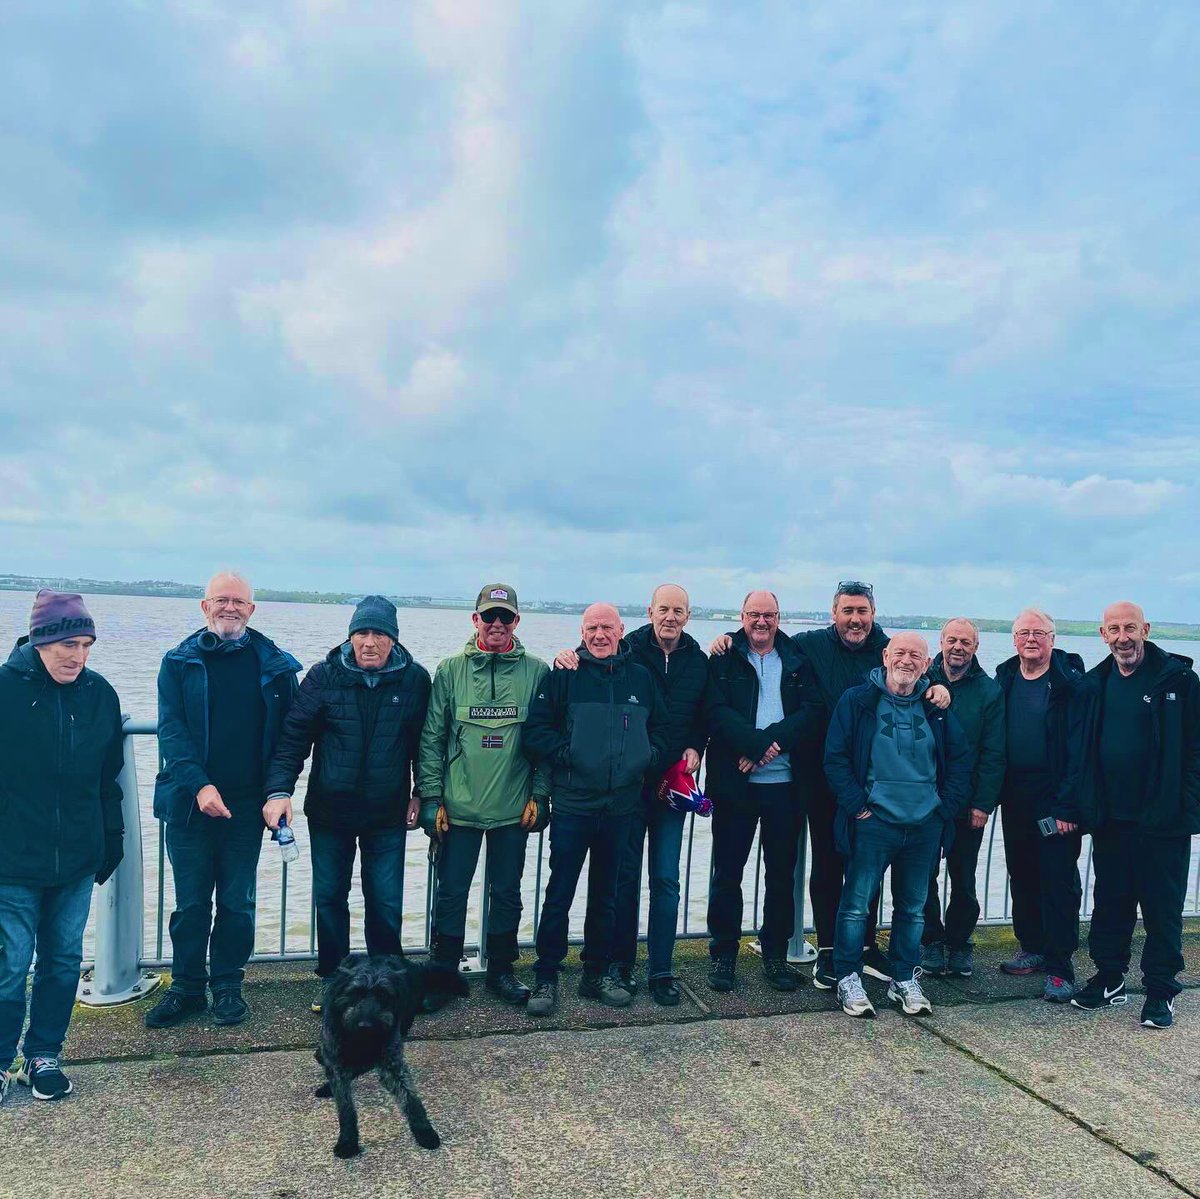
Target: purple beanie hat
<point>58,615</point>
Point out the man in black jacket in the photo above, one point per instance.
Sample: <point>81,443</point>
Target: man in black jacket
<point>360,711</point>
<point>603,729</point>
<point>60,825</point>
<point>222,695</point>
<point>1043,865</point>
<point>760,706</point>
<point>680,668</point>
<point>1134,783</point>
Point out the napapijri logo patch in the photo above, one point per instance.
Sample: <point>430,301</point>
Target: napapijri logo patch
<point>492,741</point>
<point>493,712</point>
<point>498,593</point>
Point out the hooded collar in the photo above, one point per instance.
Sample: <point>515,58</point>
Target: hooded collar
<point>878,677</point>
<point>397,660</point>
<point>938,671</point>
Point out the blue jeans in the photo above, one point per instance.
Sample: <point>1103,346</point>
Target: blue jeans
<point>911,851</point>
<point>602,839</point>
<point>664,827</point>
<point>213,855</point>
<point>382,884</point>
<point>50,920</point>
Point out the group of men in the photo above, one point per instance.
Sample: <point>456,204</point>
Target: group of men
<point>892,757</point>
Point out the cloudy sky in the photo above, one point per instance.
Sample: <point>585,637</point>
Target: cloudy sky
<point>587,295</point>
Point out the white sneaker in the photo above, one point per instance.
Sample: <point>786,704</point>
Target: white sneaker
<point>5,1083</point>
<point>912,1000</point>
<point>853,998</point>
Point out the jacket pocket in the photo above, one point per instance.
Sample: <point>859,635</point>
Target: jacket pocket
<point>635,753</point>
<point>590,761</point>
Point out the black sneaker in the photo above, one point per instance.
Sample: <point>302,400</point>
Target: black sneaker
<point>933,958</point>
<point>779,975</point>
<point>1100,992</point>
<point>664,991</point>
<point>605,989</point>
<point>1158,1013</point>
<point>544,999</point>
<point>722,976</point>
<point>43,1077</point>
<point>960,963</point>
<point>823,976</point>
<point>624,976</point>
<point>173,1008</point>
<point>876,963</point>
<point>508,987</point>
<point>228,1006</point>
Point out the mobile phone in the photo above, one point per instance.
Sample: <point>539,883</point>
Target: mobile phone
<point>1048,826</point>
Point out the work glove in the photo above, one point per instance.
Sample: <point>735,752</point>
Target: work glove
<point>536,815</point>
<point>442,823</point>
<point>114,851</point>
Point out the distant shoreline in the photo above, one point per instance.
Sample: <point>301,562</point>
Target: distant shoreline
<point>162,589</point>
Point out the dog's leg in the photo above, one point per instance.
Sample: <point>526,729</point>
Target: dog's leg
<point>395,1077</point>
<point>340,1085</point>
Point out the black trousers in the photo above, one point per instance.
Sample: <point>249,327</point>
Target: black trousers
<point>1132,869</point>
<point>827,867</point>
<point>962,912</point>
<point>775,806</point>
<point>1044,875</point>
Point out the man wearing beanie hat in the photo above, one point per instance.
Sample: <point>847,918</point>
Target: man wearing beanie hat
<point>60,827</point>
<point>360,712</point>
<point>223,692</point>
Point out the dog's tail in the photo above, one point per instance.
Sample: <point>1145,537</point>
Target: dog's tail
<point>438,978</point>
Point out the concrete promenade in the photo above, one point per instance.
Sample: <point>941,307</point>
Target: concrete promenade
<point>755,1093</point>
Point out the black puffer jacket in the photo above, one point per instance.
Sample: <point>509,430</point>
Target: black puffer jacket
<point>60,755</point>
<point>680,678</point>
<point>1171,799</point>
<point>364,732</point>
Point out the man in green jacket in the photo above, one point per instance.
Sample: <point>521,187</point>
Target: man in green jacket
<point>475,782</point>
<point>979,705</point>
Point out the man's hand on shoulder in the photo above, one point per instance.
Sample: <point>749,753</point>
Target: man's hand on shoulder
<point>939,696</point>
<point>567,659</point>
<point>720,644</point>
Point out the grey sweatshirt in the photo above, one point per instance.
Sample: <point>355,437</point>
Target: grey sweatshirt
<point>902,780</point>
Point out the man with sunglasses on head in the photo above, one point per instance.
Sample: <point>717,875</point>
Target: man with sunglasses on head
<point>476,784</point>
<point>223,693</point>
<point>1040,849</point>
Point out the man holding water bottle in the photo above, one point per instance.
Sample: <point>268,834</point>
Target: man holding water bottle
<point>223,693</point>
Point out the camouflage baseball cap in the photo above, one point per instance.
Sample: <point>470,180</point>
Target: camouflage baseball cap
<point>497,595</point>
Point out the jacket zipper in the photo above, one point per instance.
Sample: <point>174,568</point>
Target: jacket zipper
<point>58,790</point>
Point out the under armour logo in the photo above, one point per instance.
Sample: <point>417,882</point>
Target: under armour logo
<point>916,726</point>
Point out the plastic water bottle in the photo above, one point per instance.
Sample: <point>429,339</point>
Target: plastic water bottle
<point>289,851</point>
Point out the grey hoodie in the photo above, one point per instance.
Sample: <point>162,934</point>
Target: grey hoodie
<point>902,780</point>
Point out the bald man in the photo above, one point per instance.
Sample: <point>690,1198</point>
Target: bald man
<point>1134,782</point>
<point>901,771</point>
<point>223,693</point>
<point>601,728</point>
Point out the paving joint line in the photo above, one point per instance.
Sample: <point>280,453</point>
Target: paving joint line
<point>1099,1134</point>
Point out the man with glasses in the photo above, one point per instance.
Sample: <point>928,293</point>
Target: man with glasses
<point>223,693</point>
<point>901,770</point>
<point>1040,848</point>
<point>760,706</point>
<point>1134,783</point>
<point>475,783</point>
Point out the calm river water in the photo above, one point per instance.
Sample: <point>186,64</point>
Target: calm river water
<point>135,631</point>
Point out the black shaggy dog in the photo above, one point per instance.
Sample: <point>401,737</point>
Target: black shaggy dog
<point>368,1007</point>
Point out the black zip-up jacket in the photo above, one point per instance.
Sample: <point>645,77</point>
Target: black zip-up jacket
<point>680,677</point>
<point>731,707</point>
<point>1065,674</point>
<point>1171,798</point>
<point>603,728</point>
<point>979,704</point>
<point>364,736</point>
<point>60,758</point>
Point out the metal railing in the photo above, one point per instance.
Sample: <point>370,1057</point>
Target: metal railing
<point>121,963</point>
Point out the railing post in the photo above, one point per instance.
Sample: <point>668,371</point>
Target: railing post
<point>799,950</point>
<point>117,976</point>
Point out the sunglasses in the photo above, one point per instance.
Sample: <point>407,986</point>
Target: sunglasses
<point>503,615</point>
<point>854,587</point>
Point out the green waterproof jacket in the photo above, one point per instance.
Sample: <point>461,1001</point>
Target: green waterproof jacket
<point>471,743</point>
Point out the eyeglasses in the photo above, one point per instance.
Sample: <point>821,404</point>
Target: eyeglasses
<point>1036,634</point>
<point>762,615</point>
<point>228,601</point>
<point>854,587</point>
<point>503,615</point>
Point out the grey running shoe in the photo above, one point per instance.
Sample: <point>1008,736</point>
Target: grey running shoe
<point>853,998</point>
<point>911,999</point>
<point>1158,1013</point>
<point>1058,990</point>
<point>1022,963</point>
<point>960,963</point>
<point>5,1083</point>
<point>933,957</point>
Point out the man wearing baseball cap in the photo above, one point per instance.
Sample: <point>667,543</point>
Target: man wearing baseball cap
<point>60,825</point>
<point>475,783</point>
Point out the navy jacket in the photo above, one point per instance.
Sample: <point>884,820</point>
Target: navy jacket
<point>183,717</point>
<point>1171,800</point>
<point>848,761</point>
<point>60,757</point>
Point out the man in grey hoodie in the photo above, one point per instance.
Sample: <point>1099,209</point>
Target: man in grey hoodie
<point>901,771</point>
